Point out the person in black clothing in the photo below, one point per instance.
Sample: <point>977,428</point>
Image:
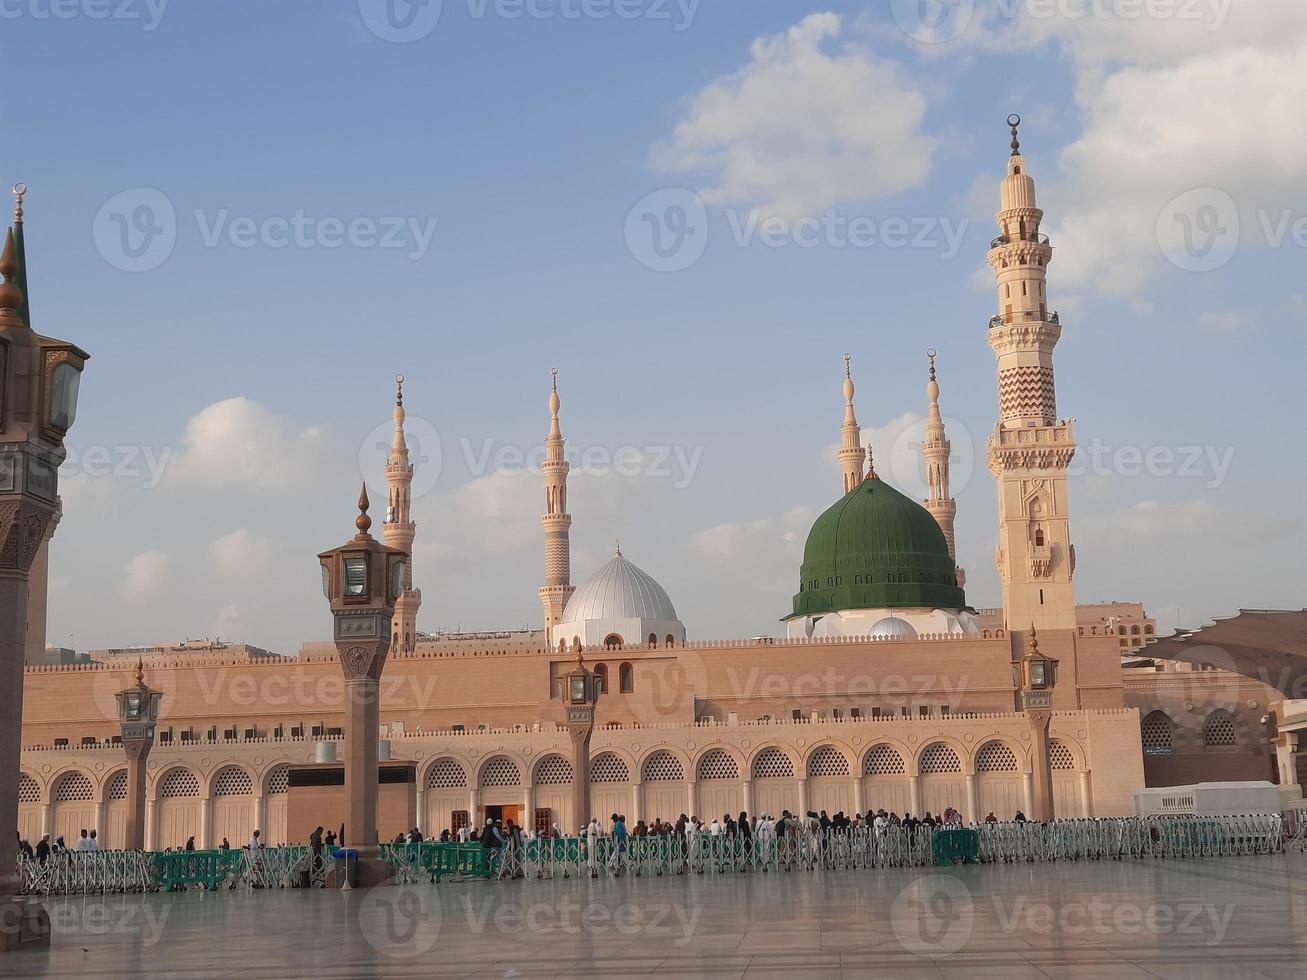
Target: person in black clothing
<point>43,848</point>
<point>315,843</point>
<point>330,840</point>
<point>190,843</point>
<point>24,848</point>
<point>225,845</point>
<point>415,836</point>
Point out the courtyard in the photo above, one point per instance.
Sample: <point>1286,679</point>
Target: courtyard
<point>1228,918</point>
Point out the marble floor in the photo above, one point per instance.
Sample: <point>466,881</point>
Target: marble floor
<point>1228,918</point>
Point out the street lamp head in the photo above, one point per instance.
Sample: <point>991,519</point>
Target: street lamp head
<point>363,575</point>
<point>138,707</point>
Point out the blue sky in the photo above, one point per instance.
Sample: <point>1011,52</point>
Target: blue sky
<point>258,372</point>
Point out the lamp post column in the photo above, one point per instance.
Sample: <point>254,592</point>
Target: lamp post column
<point>362,663</point>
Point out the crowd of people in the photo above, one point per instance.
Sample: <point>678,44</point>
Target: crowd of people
<point>88,841</point>
<point>763,834</point>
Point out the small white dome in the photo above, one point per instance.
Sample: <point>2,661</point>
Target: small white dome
<point>619,590</point>
<point>891,627</point>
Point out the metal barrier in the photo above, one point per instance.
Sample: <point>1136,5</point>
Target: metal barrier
<point>119,872</point>
<point>765,850</point>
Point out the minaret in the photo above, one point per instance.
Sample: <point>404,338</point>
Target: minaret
<point>557,522</point>
<point>935,451</point>
<point>852,455</point>
<point>1030,449</point>
<point>399,529</point>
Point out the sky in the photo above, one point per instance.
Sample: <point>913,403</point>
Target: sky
<point>254,215</point>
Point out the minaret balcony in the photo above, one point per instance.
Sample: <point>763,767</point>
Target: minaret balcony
<point>1024,316</point>
<point>1036,239</point>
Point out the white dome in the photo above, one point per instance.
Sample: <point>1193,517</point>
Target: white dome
<point>619,590</point>
<point>891,627</point>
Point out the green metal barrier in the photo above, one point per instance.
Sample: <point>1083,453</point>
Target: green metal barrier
<point>951,846</point>
<point>175,870</point>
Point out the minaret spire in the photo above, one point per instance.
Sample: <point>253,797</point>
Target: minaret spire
<point>852,454</point>
<point>935,452</point>
<point>400,529</point>
<point>1030,448</point>
<point>557,522</point>
<point>20,247</point>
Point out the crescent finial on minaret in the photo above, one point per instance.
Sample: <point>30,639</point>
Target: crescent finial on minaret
<point>1015,122</point>
<point>20,191</point>
<point>140,670</point>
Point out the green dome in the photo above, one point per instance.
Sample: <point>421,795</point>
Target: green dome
<point>876,548</point>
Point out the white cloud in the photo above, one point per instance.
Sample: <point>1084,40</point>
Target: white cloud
<point>144,575</point>
<point>801,128</point>
<point>1170,104</point>
<point>241,552</point>
<point>1229,322</point>
<point>239,443</point>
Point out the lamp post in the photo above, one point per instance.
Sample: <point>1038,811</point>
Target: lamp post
<point>580,692</point>
<point>362,579</point>
<point>138,713</point>
<point>39,379</point>
<point>1035,676</point>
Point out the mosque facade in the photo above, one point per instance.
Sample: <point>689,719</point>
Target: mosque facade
<point>888,690</point>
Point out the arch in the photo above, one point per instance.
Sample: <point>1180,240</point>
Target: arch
<point>176,783</point>
<point>29,790</point>
<point>662,766</point>
<point>601,678</point>
<point>276,782</point>
<point>552,770</point>
<point>233,809</point>
<point>883,760</point>
<point>1060,756</point>
<point>671,640</point>
<point>1068,746</point>
<point>626,675</point>
<point>115,786</point>
<point>717,764</point>
<point>177,817</point>
<point>73,786</point>
<point>938,757</point>
<point>1219,729</point>
<point>232,780</point>
<point>996,756</point>
<point>609,767</point>
<point>500,771</point>
<point>613,641</point>
<point>772,762</point>
<point>827,760</point>
<point>1157,733</point>
<point>445,773</point>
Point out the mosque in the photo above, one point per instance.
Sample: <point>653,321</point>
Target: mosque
<point>888,689</point>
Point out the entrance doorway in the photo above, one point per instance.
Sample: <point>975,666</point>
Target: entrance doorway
<point>505,814</point>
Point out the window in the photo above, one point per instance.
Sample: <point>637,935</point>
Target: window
<point>939,758</point>
<point>601,678</point>
<point>613,642</point>
<point>1219,729</point>
<point>772,763</point>
<point>883,761</point>
<point>1156,733</point>
<point>995,757</point>
<point>626,678</point>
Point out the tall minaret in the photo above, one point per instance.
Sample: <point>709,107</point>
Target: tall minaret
<point>1030,448</point>
<point>557,522</point>
<point>852,455</point>
<point>935,451</point>
<point>399,529</point>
